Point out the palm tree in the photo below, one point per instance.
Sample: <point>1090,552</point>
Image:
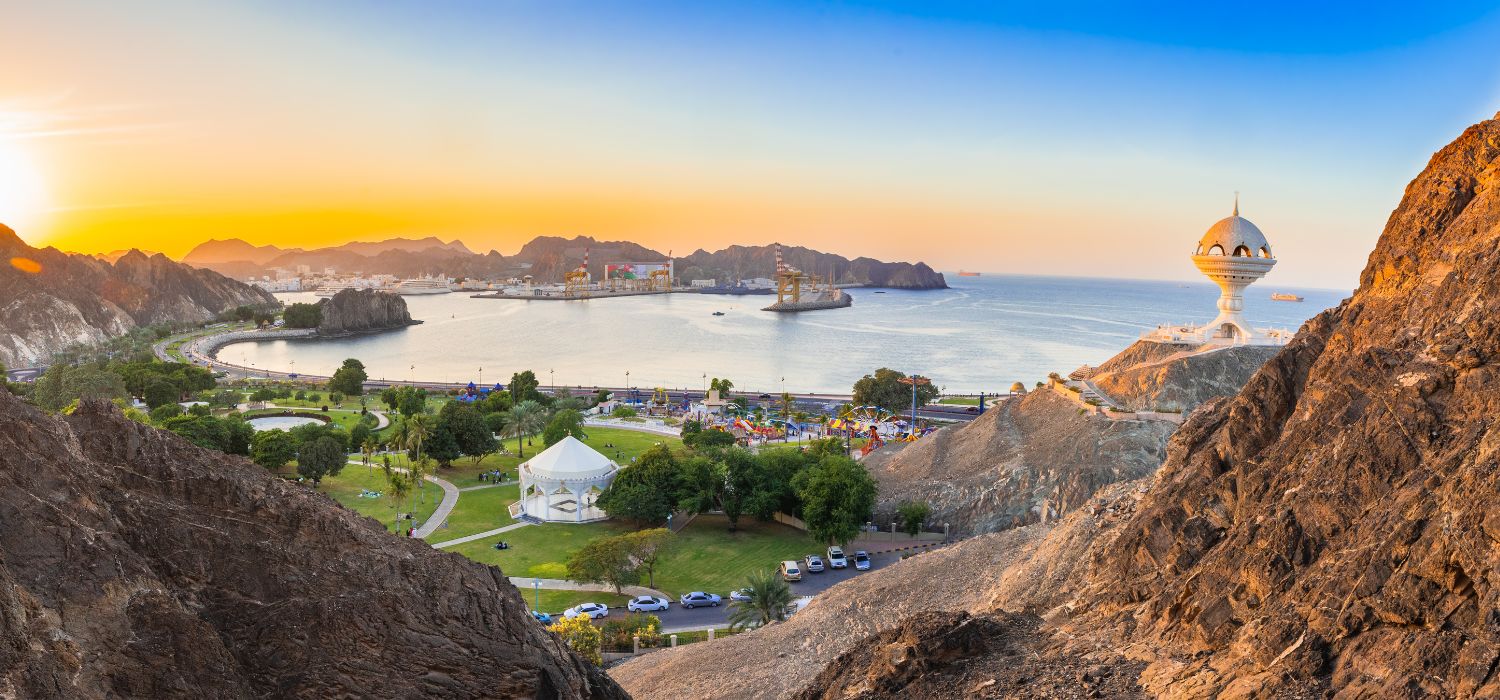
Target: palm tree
<point>526,418</point>
<point>418,429</point>
<point>398,436</point>
<point>368,449</point>
<point>769,599</point>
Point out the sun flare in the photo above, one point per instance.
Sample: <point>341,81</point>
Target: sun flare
<point>22,192</point>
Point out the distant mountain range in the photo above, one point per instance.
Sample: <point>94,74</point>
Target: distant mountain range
<point>546,258</point>
<point>50,300</point>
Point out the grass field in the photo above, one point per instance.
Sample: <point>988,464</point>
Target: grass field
<point>708,557</point>
<point>959,400</point>
<point>477,511</point>
<point>554,602</point>
<point>345,488</point>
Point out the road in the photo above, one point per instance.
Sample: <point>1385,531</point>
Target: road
<point>677,619</point>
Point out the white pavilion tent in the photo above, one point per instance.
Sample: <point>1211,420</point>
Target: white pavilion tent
<point>560,483</point>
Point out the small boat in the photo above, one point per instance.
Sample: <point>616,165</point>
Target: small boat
<point>879,292</point>
<point>1283,296</point>
<point>718,313</point>
<point>965,273</point>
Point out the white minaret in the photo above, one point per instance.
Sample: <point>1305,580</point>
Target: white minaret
<point>1234,254</point>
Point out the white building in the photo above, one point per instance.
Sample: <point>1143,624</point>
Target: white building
<point>560,484</point>
<point>1234,254</point>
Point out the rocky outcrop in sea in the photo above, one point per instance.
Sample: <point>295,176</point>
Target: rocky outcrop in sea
<point>138,565</point>
<point>51,300</point>
<point>362,311</point>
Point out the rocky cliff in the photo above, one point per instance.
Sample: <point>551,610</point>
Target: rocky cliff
<point>50,300</point>
<point>1165,377</point>
<point>744,262</point>
<point>137,565</point>
<point>1025,459</point>
<point>362,310</point>
<point>1329,530</point>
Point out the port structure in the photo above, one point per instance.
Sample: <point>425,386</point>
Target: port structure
<point>576,283</point>
<point>790,281</point>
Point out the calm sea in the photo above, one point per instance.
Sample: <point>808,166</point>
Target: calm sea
<point>980,335</point>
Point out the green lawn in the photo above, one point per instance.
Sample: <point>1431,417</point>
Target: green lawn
<point>708,556</point>
<point>477,511</point>
<point>959,400</point>
<point>554,602</point>
<point>345,488</point>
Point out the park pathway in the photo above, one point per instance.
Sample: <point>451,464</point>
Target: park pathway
<point>512,482</point>
<point>477,535</point>
<point>653,428</point>
<point>439,516</point>
<point>558,584</point>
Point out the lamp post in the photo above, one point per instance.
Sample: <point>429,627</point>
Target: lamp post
<point>552,381</point>
<point>915,381</point>
<point>537,599</point>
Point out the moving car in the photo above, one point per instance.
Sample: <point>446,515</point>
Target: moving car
<point>814,563</point>
<point>700,599</point>
<point>593,610</point>
<point>541,617</point>
<point>861,561</point>
<point>791,571</point>
<point>740,594</point>
<point>836,558</point>
<point>648,603</point>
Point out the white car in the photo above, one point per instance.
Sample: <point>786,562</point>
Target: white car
<point>593,610</point>
<point>861,561</point>
<point>836,558</point>
<point>648,603</point>
<point>741,594</point>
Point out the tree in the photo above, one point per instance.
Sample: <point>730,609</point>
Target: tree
<point>161,413</point>
<point>648,547</point>
<point>707,439</point>
<point>769,598</point>
<point>349,378</point>
<point>204,431</point>
<point>913,514</point>
<point>748,488</point>
<point>581,636</point>
<point>496,422</point>
<point>700,484</point>
<point>61,385</point>
<point>160,391</point>
<point>645,491</point>
<point>390,397</point>
<point>723,386</point>
<point>442,445</point>
<point>523,387</point>
<point>838,498</point>
<point>272,449</point>
<point>605,560</point>
<point>564,423</point>
<point>525,418</point>
<point>302,315</point>
<point>323,457</point>
<point>418,429</point>
<point>413,401</point>
<point>885,390</point>
<point>359,433</point>
<point>470,433</point>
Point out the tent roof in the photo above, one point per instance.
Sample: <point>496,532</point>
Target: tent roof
<point>569,459</point>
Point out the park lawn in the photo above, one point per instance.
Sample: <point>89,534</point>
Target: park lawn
<point>478,511</point>
<point>345,488</point>
<point>959,401</point>
<point>707,558</point>
<point>554,602</point>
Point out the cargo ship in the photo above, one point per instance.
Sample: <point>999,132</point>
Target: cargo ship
<point>1283,296</point>
<point>738,289</point>
<point>966,273</point>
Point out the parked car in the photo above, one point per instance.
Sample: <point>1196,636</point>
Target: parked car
<point>836,558</point>
<point>765,396</point>
<point>541,617</point>
<point>791,571</point>
<point>972,409</point>
<point>861,561</point>
<point>740,594</point>
<point>593,610</point>
<point>814,563</point>
<point>700,599</point>
<point>647,603</point>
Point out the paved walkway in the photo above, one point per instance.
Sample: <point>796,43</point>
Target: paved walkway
<point>450,499</point>
<point>653,428</point>
<point>489,486</point>
<point>557,584</point>
<point>476,536</point>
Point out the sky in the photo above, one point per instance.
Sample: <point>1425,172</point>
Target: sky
<point>1095,139</point>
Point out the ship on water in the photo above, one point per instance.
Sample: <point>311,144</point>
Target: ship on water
<point>737,289</point>
<point>1284,296</point>
<point>423,285</point>
<point>966,273</point>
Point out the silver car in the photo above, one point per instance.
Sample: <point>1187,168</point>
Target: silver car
<point>699,599</point>
<point>594,611</point>
<point>836,558</point>
<point>648,603</point>
<point>861,561</point>
<point>814,563</point>
<point>741,594</point>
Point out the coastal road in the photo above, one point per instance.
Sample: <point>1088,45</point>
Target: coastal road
<point>676,618</point>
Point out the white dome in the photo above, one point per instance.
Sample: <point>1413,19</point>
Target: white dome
<point>1234,235</point>
<point>569,460</point>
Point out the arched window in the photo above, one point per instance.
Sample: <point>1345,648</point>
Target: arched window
<point>1265,251</point>
<point>1216,250</point>
<point>1242,252</point>
<point>1198,250</point>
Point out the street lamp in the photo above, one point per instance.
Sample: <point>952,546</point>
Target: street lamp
<point>552,381</point>
<point>536,585</point>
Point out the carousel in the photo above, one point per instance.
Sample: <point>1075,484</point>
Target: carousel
<point>560,484</point>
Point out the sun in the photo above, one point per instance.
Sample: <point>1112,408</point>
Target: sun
<point>23,194</point>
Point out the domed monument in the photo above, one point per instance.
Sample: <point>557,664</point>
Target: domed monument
<point>1234,254</point>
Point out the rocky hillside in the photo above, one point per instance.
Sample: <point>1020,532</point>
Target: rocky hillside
<point>1023,460</point>
<point>138,565</point>
<point>50,300</point>
<point>362,310</point>
<point>1163,377</point>
<point>401,257</point>
<point>744,262</point>
<point>1331,529</point>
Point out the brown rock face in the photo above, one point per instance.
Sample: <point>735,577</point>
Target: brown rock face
<point>1024,460</point>
<point>1161,377</point>
<point>137,565</point>
<point>362,310</point>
